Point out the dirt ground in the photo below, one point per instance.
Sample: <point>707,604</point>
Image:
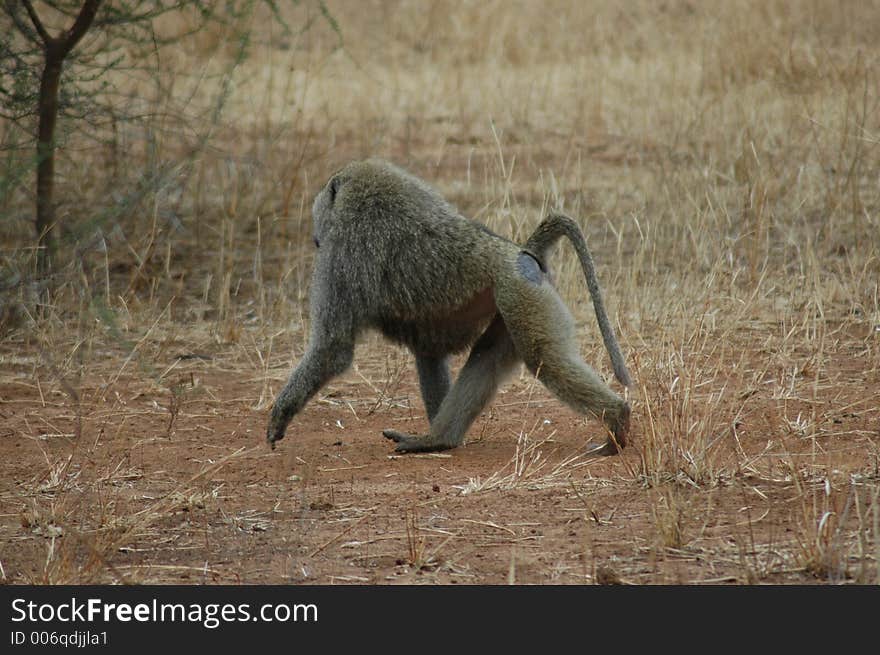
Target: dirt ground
<point>134,484</point>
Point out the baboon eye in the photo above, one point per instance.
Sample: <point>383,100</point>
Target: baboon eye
<point>317,243</point>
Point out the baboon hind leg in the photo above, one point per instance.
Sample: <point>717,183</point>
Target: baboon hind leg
<point>578,386</point>
<point>543,331</point>
<point>490,361</point>
<point>434,382</point>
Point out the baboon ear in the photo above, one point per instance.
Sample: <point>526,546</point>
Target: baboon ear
<point>335,182</point>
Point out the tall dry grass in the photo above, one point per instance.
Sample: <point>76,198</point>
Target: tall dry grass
<point>723,157</point>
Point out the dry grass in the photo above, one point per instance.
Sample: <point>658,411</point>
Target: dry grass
<point>724,159</point>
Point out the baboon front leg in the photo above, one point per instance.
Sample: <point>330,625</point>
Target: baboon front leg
<point>433,381</point>
<point>323,360</point>
<point>490,361</point>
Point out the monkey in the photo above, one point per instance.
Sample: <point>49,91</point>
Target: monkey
<point>394,256</point>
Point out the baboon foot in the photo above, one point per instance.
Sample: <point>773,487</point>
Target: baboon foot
<point>617,436</point>
<point>603,450</point>
<point>411,443</point>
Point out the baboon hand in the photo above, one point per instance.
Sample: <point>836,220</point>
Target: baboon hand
<point>273,436</point>
<point>275,431</point>
<point>410,443</point>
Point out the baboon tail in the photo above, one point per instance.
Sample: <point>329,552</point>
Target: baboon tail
<point>543,238</point>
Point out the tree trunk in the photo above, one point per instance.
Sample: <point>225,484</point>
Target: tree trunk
<point>55,51</point>
<point>48,116</point>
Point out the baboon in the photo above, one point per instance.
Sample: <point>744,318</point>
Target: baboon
<point>393,255</point>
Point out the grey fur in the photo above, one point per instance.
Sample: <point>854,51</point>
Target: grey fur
<point>394,256</point>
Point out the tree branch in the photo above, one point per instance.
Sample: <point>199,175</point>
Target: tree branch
<point>38,24</point>
<point>81,25</point>
<point>22,25</point>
